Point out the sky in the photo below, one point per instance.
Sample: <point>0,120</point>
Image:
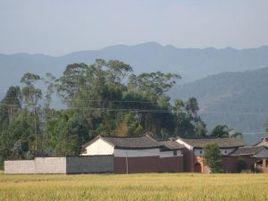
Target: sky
<point>57,27</point>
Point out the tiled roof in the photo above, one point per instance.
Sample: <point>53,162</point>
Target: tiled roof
<point>142,142</point>
<point>132,142</point>
<point>248,150</point>
<point>221,142</point>
<point>171,145</point>
<point>263,142</point>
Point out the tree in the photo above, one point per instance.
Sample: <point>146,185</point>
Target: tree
<point>10,106</point>
<point>108,96</point>
<point>192,107</point>
<point>220,131</point>
<point>66,133</point>
<point>49,81</point>
<point>212,157</point>
<point>30,93</point>
<point>235,134</point>
<point>187,122</point>
<point>200,129</point>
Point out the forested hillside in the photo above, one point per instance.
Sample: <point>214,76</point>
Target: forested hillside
<point>237,99</point>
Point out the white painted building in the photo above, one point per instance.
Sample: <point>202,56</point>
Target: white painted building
<point>131,147</point>
<point>226,145</point>
<point>138,154</point>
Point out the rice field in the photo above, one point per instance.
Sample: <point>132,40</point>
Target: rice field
<point>138,187</point>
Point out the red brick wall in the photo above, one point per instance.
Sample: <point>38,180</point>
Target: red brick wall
<point>230,163</point>
<point>171,164</point>
<point>188,160</point>
<point>147,164</point>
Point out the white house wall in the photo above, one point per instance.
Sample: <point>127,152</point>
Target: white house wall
<point>164,154</point>
<point>136,153</point>
<point>99,147</point>
<point>224,152</point>
<point>144,153</point>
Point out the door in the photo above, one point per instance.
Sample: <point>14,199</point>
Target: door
<point>197,167</point>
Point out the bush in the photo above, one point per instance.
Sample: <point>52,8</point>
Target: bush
<point>241,165</point>
<point>212,157</point>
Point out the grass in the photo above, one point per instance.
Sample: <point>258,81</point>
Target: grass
<point>138,187</point>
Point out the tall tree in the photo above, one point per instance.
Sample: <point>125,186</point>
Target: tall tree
<point>187,122</point>
<point>10,106</point>
<point>30,93</point>
<point>220,131</point>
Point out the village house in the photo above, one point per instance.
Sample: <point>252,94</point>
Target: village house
<point>256,156</point>
<point>138,154</point>
<point>194,151</point>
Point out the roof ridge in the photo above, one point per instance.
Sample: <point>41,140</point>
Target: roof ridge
<point>122,137</point>
<point>209,138</point>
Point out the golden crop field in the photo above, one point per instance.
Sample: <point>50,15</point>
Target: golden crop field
<point>136,187</point>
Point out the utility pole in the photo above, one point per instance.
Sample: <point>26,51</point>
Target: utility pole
<point>126,163</point>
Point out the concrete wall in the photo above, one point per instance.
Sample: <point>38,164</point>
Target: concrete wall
<point>50,165</point>
<point>89,164</point>
<point>61,165</point>
<point>19,167</point>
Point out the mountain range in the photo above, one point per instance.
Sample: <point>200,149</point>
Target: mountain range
<point>191,63</point>
<point>236,97</point>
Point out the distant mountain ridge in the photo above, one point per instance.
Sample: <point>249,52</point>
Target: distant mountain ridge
<point>192,63</point>
<point>238,99</point>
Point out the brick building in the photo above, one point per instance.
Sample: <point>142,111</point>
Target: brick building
<point>256,156</point>
<point>194,151</point>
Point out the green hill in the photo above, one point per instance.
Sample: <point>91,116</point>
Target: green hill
<point>238,99</point>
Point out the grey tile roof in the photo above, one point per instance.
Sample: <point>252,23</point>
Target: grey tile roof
<point>248,150</point>
<point>221,142</point>
<point>263,142</point>
<point>143,142</point>
<point>170,145</point>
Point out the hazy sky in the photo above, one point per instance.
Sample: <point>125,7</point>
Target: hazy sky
<point>57,27</point>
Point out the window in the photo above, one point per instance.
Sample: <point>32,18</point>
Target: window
<point>175,153</point>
